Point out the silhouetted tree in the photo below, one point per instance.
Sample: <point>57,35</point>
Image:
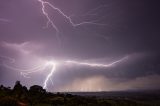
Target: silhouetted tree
<point>18,89</point>
<point>37,89</point>
<point>36,94</point>
<point>1,87</point>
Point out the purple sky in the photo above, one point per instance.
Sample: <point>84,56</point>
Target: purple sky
<point>123,28</point>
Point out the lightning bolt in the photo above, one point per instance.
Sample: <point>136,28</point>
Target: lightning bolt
<point>49,20</point>
<point>53,64</point>
<point>26,72</point>
<point>49,75</point>
<point>96,64</point>
<point>63,14</point>
<point>23,72</point>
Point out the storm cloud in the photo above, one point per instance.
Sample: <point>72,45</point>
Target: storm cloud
<point>131,28</point>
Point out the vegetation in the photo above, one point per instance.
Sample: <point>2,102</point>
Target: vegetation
<point>37,96</point>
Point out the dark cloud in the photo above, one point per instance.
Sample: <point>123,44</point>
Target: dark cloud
<point>131,29</point>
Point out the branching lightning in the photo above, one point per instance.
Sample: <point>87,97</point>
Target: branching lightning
<point>49,20</point>
<point>63,14</point>
<point>53,66</point>
<point>69,18</point>
<point>25,72</point>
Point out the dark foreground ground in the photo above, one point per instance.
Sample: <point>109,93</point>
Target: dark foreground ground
<point>37,96</point>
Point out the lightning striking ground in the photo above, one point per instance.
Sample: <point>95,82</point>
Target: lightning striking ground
<point>53,65</point>
<point>25,73</point>
<point>50,22</point>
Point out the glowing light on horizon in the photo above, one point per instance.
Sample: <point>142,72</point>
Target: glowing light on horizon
<point>50,22</point>
<point>25,72</point>
<point>54,64</point>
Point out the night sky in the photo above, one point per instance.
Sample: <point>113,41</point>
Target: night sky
<point>110,31</point>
